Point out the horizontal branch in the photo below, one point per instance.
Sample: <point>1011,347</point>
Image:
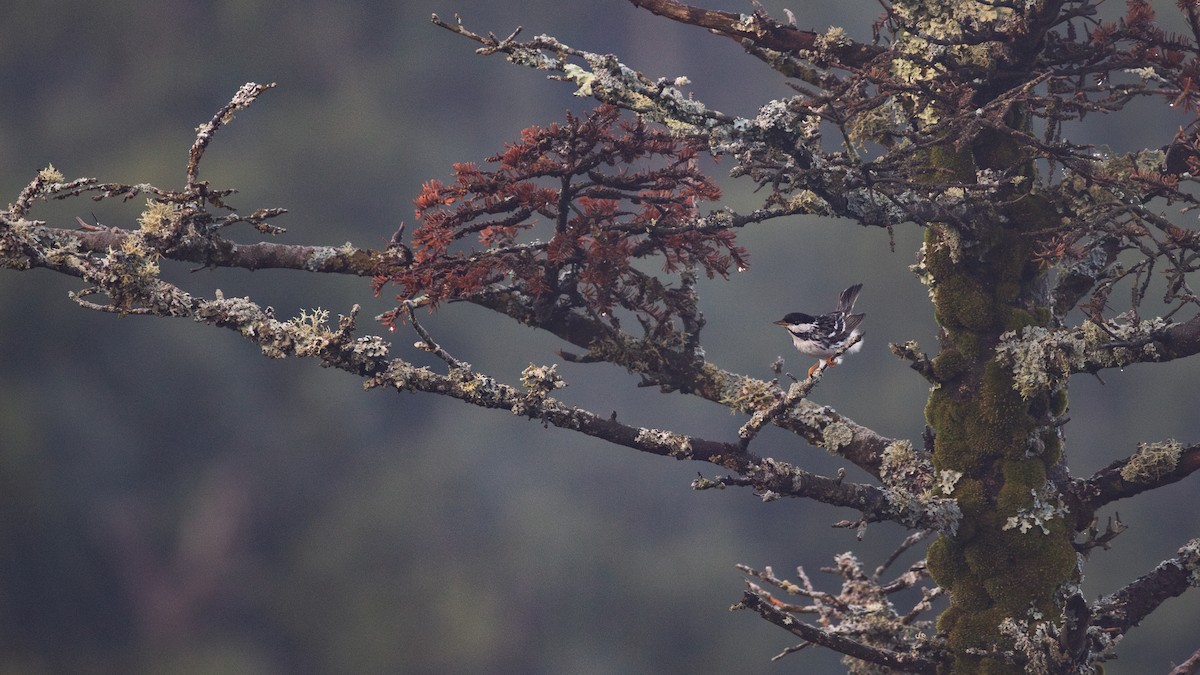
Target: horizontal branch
<point>212,251</point>
<point>1043,358</point>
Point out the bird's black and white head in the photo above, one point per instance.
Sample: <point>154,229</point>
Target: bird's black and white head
<point>823,335</point>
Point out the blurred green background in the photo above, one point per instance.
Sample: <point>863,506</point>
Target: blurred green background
<point>171,501</point>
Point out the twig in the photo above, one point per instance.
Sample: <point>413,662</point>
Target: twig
<point>204,134</point>
<point>427,343</point>
<point>797,392</point>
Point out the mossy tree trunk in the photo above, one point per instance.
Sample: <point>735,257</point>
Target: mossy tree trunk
<point>1013,552</point>
<point>1013,549</point>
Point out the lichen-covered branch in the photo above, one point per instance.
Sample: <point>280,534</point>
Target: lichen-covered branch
<point>212,251</point>
<point>796,393</point>
<point>1152,466</point>
<point>678,370</point>
<point>1041,359</point>
<point>762,32</point>
<point>1129,606</point>
<point>605,78</point>
<point>367,357</point>
<point>901,662</point>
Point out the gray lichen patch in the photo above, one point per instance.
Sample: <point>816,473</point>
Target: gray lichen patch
<point>1041,359</point>
<point>837,435</point>
<point>675,445</point>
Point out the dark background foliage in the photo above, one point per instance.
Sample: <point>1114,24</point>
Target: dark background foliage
<point>170,501</point>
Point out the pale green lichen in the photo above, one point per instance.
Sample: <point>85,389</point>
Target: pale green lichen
<point>581,77</point>
<point>1032,639</point>
<point>832,39</point>
<point>320,255</point>
<point>309,332</point>
<point>1152,461</point>
<point>837,435</point>
<point>157,218</point>
<point>934,37</point>
<point>1189,557</point>
<point>746,394</point>
<point>51,175</point>
<point>947,479</point>
<point>902,466</point>
<point>923,510</point>
<point>1041,359</point>
<point>1046,506</point>
<point>541,380</point>
<point>371,346</point>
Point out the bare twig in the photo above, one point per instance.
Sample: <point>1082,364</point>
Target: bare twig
<point>204,134</point>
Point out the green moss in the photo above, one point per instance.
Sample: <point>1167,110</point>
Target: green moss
<point>1021,478</point>
<point>937,259</point>
<point>970,496</point>
<point>958,162</point>
<point>1058,402</point>
<point>1052,453</point>
<point>1014,318</point>
<point>961,304</point>
<point>941,563</point>
<point>1008,291</point>
<point>998,401</point>
<point>949,365</point>
<point>967,344</point>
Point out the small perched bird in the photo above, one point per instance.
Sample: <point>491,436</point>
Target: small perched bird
<point>821,336</point>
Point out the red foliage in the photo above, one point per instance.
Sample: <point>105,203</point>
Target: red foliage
<point>564,213</point>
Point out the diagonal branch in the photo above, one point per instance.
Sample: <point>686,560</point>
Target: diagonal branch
<point>760,30</point>
<point>1152,466</point>
<point>818,424</point>
<point>130,279</point>
<point>1130,605</point>
<point>608,79</point>
<point>796,393</point>
<point>367,358</point>
<point>905,663</point>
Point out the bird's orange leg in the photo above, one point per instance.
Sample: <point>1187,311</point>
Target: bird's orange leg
<point>816,366</point>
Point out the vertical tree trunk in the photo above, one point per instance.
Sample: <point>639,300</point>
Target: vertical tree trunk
<point>1013,549</point>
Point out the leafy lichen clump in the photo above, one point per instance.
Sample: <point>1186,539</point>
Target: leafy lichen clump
<point>1046,506</point>
<point>1041,359</point>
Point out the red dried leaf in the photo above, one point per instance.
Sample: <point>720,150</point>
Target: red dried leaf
<point>564,212</point>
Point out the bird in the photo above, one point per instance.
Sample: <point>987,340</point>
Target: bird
<point>822,336</point>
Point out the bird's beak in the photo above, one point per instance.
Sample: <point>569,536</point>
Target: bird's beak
<point>780,323</point>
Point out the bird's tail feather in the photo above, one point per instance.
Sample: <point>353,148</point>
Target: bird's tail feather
<point>847,298</point>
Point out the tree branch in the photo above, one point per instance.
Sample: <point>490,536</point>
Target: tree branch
<point>906,663</point>
<point>1152,466</point>
<point>1128,606</point>
<point>213,251</point>
<point>760,30</point>
<point>1042,358</point>
<point>129,277</point>
<point>608,80</point>
<point>818,424</point>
